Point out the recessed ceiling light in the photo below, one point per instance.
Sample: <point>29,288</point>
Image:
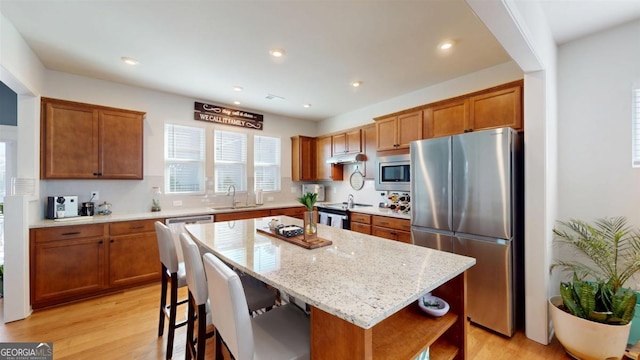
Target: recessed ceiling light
<point>446,45</point>
<point>129,60</point>
<point>277,52</point>
<point>237,88</point>
<point>356,83</point>
<point>307,105</point>
<point>237,102</point>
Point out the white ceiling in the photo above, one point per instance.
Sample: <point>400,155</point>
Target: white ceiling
<point>202,49</point>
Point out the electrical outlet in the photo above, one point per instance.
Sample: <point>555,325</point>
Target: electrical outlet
<point>269,198</point>
<point>177,202</point>
<point>95,195</point>
<point>294,189</point>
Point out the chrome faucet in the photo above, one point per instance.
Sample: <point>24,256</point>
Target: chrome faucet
<point>233,199</point>
<point>350,201</point>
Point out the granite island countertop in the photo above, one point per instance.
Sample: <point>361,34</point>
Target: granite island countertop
<point>360,278</point>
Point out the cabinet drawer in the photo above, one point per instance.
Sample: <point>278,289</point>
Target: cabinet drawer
<point>394,223</point>
<point>132,227</point>
<point>383,232</point>
<point>241,215</point>
<point>361,228</point>
<point>360,218</point>
<point>67,232</point>
<point>298,210</point>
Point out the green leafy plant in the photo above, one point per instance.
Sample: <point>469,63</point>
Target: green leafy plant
<point>612,251</point>
<point>308,200</point>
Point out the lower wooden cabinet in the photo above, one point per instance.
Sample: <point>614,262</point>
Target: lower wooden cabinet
<point>69,263</point>
<point>296,212</point>
<point>391,228</point>
<point>361,223</point>
<point>241,215</point>
<point>133,253</point>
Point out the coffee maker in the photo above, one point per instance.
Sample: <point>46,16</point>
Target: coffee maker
<point>62,206</point>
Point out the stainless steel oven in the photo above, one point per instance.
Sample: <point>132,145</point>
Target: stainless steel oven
<point>393,173</point>
<point>335,215</point>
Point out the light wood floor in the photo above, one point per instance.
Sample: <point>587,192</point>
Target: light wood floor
<point>125,325</point>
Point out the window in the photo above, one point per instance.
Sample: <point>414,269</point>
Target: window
<point>636,128</point>
<point>266,163</point>
<point>184,159</point>
<point>230,156</point>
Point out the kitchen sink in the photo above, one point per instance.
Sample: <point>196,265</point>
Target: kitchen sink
<point>229,207</point>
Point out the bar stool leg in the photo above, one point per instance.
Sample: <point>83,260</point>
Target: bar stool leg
<point>172,314</point>
<point>190,327</point>
<point>163,301</point>
<point>202,331</point>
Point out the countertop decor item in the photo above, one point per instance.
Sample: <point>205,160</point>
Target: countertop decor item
<point>155,199</point>
<point>310,217</point>
<point>433,305</point>
<point>592,315</point>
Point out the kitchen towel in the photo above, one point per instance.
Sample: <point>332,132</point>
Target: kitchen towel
<point>324,218</point>
<point>336,220</point>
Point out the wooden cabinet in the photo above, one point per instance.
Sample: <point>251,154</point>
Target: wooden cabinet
<point>326,171</point>
<point>133,253</point>
<point>303,158</point>
<point>296,212</point>
<point>83,141</point>
<point>369,147</point>
<point>69,263</point>
<point>496,109</point>
<point>396,132</point>
<point>349,142</point>
<point>241,215</point>
<point>361,223</point>
<point>446,119</point>
<point>391,228</point>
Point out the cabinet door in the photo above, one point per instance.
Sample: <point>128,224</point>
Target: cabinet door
<point>133,259</point>
<point>121,135</point>
<point>386,133</point>
<point>370,148</point>
<point>361,228</point>
<point>339,143</point>
<point>497,109</point>
<point>409,128</point>
<point>69,141</point>
<point>446,119</point>
<point>66,270</point>
<point>353,141</point>
<point>326,171</point>
<point>403,236</point>
<point>303,158</point>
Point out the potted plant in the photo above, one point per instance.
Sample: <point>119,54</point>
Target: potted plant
<point>592,315</point>
<point>310,231</point>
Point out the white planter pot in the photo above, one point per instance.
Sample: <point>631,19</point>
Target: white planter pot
<point>587,340</point>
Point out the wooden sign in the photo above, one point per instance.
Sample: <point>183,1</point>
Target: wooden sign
<point>227,116</point>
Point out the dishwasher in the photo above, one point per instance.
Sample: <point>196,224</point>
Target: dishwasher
<point>177,227</point>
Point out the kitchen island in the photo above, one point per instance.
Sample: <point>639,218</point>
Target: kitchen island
<point>362,289</point>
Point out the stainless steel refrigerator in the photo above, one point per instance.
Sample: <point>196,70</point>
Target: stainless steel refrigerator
<point>464,192</point>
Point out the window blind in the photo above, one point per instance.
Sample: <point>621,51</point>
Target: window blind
<point>266,163</point>
<point>636,128</point>
<point>184,159</point>
<point>230,156</point>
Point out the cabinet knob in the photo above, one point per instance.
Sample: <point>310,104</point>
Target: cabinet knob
<point>112,241</point>
<point>100,242</point>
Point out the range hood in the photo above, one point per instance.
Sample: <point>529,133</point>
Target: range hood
<point>346,158</point>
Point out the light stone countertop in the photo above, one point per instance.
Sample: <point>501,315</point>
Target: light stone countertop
<point>98,219</point>
<point>374,210</point>
<point>360,278</point>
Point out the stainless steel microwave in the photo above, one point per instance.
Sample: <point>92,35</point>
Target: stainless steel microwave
<point>393,173</point>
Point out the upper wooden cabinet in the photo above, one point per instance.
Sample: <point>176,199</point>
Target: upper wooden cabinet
<point>396,132</point>
<point>326,171</point>
<point>369,147</point>
<point>450,118</point>
<point>496,109</point>
<point>83,141</point>
<point>303,158</point>
<point>349,142</point>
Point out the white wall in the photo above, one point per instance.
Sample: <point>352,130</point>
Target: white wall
<point>23,73</point>
<point>596,75</point>
<point>134,196</point>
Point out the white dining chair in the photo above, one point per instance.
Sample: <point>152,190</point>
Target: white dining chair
<point>173,275</point>
<point>198,300</point>
<point>282,333</point>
